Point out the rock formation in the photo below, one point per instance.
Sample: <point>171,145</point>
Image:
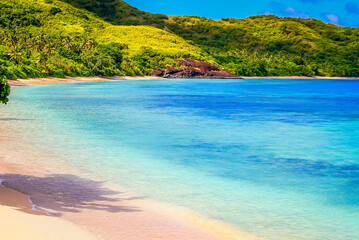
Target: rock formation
<point>189,68</point>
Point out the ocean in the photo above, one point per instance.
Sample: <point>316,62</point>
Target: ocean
<point>279,157</point>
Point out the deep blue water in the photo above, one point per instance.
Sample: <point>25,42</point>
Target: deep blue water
<point>279,158</point>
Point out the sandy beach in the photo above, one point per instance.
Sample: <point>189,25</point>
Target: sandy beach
<point>106,210</point>
<point>52,80</point>
<point>71,204</point>
<point>20,221</point>
<point>77,200</point>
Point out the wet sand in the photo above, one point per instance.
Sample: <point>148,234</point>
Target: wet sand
<point>19,221</point>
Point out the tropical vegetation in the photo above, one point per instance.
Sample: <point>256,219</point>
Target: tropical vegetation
<point>4,91</point>
<point>272,46</point>
<point>59,38</point>
<point>256,46</point>
<point>40,38</point>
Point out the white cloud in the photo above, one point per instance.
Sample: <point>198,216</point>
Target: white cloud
<point>267,13</point>
<point>293,13</point>
<point>333,18</point>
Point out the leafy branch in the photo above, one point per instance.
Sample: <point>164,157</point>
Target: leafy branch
<point>4,91</point>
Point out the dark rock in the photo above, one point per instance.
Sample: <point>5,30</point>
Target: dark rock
<point>190,68</point>
<point>158,73</point>
<point>171,70</point>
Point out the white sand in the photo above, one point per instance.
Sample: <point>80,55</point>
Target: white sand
<point>18,221</point>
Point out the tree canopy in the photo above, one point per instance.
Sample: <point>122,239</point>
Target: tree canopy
<point>256,46</point>
<point>4,91</point>
<point>40,38</point>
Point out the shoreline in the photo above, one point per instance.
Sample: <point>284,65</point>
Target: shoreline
<point>303,77</point>
<point>104,208</point>
<point>53,80</point>
<point>24,222</point>
<point>175,222</point>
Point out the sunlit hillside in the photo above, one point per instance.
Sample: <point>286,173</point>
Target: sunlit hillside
<point>136,37</point>
<point>49,37</point>
<point>254,46</point>
<point>90,37</point>
<point>269,45</point>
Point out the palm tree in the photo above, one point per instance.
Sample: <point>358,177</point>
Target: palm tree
<point>41,60</point>
<point>68,42</point>
<point>4,90</point>
<point>89,44</point>
<point>49,48</point>
<point>10,39</point>
<point>14,53</point>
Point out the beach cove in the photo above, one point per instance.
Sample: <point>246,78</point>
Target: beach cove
<point>100,210</point>
<point>61,187</point>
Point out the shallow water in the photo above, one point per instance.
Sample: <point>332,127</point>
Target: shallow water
<point>275,157</point>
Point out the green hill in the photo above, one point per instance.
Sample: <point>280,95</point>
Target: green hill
<point>259,45</point>
<point>50,38</point>
<point>90,37</point>
<point>119,12</point>
<point>269,45</point>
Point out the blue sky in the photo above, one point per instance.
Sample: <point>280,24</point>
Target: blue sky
<point>340,12</point>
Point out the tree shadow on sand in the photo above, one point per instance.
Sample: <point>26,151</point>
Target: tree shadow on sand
<point>61,193</point>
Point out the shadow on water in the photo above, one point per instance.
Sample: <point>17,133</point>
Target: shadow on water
<point>61,193</point>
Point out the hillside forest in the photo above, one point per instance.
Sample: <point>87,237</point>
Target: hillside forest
<point>58,38</point>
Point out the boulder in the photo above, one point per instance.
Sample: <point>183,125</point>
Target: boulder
<point>190,68</point>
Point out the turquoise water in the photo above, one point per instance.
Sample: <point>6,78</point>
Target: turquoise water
<point>279,158</point>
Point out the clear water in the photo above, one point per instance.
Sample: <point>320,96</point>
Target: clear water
<point>279,158</point>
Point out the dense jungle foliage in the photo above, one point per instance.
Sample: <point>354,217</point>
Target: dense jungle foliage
<point>255,46</point>
<point>60,38</point>
<point>273,46</point>
<point>40,38</point>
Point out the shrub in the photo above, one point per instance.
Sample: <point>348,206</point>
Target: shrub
<point>55,10</point>
<point>4,91</point>
<point>115,50</point>
<point>57,73</point>
<point>99,63</point>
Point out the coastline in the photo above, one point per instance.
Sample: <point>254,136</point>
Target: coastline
<point>105,209</point>
<point>302,77</point>
<point>24,222</point>
<point>124,214</point>
<point>53,80</point>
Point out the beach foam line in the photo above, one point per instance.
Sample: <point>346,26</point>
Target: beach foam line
<point>150,219</point>
<point>18,221</point>
<point>33,206</point>
<point>42,177</point>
